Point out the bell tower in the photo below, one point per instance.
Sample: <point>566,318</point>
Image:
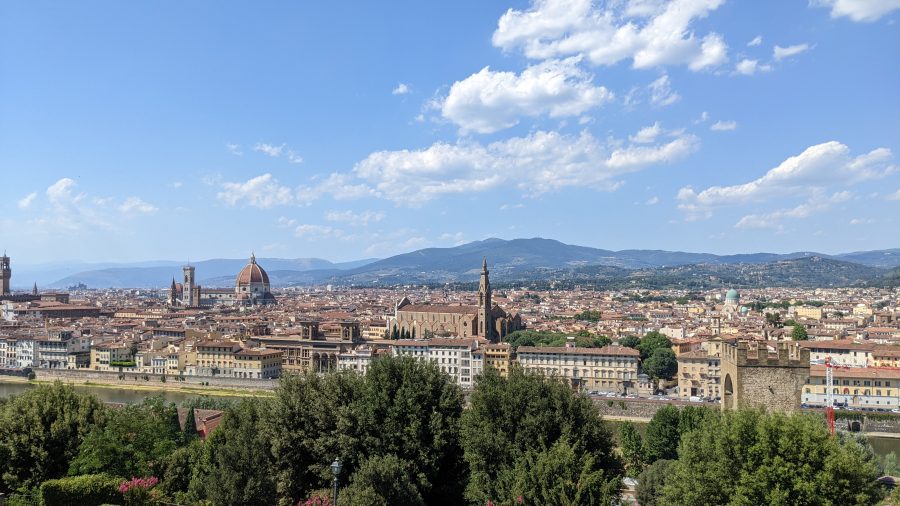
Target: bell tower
<point>5,274</point>
<point>485,317</point>
<point>188,287</point>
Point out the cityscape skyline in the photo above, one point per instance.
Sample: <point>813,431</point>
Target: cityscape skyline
<point>312,131</point>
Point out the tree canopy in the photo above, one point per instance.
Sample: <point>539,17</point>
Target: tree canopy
<point>799,333</point>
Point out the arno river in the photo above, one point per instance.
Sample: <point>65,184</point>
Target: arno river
<point>110,394</point>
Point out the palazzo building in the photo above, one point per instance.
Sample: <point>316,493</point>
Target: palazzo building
<point>484,320</point>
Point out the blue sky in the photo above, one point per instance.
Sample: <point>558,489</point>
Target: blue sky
<point>175,130</point>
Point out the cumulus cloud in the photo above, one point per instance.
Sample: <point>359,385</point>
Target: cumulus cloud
<point>337,185</point>
<point>488,101</point>
<point>723,126</point>
<point>647,134</point>
<point>538,163</point>
<point>134,205</point>
<point>815,169</point>
<point>262,191</point>
<point>401,89</point>
<point>748,67</point>
<point>661,93</point>
<point>277,151</point>
<point>353,218</point>
<point>647,32</point>
<point>858,10</point>
<point>780,53</point>
<point>774,219</point>
<point>26,201</point>
<point>894,196</point>
<point>756,41</point>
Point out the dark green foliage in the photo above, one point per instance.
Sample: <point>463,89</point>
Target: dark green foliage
<point>661,440</point>
<point>514,418</point>
<point>402,407</point>
<point>799,333</point>
<point>651,483</point>
<point>40,432</point>
<point>588,315</point>
<point>748,458</point>
<point>180,468</point>
<point>631,444</point>
<point>653,340</point>
<point>207,402</point>
<point>382,481</point>
<point>85,490</point>
<point>134,441</point>
<point>236,467</point>
<point>774,319</point>
<point>661,364</point>
<point>561,475</point>
<point>630,341</point>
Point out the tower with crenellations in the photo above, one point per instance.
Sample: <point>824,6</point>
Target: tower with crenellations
<point>753,376</point>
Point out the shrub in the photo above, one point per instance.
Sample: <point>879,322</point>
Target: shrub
<point>85,489</point>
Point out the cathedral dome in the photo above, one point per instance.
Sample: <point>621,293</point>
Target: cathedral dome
<point>732,295</point>
<point>252,273</point>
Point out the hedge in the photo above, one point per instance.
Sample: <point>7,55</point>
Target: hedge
<point>85,490</point>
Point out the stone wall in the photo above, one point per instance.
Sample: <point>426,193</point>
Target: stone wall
<point>130,378</point>
<point>640,408</point>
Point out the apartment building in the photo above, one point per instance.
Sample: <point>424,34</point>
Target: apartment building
<point>453,356</point>
<point>699,375</point>
<point>607,369</point>
<point>856,387</point>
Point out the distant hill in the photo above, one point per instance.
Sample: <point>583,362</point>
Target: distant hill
<point>527,260</point>
<point>211,273</point>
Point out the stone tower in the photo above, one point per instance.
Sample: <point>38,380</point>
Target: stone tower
<point>485,316</point>
<point>752,377</point>
<point>5,274</point>
<point>188,287</point>
<point>173,293</point>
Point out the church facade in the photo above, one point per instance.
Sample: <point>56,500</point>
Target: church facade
<point>484,320</point>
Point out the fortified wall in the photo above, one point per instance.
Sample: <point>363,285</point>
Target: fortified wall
<point>754,377</point>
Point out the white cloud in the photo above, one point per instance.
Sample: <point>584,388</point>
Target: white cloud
<point>261,191</point>
<point>61,191</point>
<point>756,41</point>
<point>27,200</point>
<point>456,239</point>
<point>858,10</point>
<point>507,207</point>
<point>748,67</point>
<point>704,117</point>
<point>134,205</point>
<point>649,33</point>
<point>894,196</point>
<point>318,231</point>
<point>647,134</point>
<point>401,89</point>
<point>774,219</point>
<point>269,149</point>
<point>488,101</point>
<point>285,222</point>
<point>652,201</point>
<point>723,126</point>
<point>861,221</point>
<point>338,186</point>
<point>234,149</point>
<point>661,93</point>
<point>815,169</point>
<point>780,53</point>
<point>538,163</point>
<point>357,219</point>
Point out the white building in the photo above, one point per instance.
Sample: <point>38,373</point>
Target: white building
<point>24,353</point>
<point>452,356</point>
<point>607,369</point>
<point>356,360</point>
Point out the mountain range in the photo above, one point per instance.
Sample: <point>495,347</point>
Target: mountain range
<point>514,260</point>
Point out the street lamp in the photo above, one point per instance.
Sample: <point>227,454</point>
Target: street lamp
<point>336,470</point>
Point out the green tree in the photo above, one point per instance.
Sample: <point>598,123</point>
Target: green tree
<point>382,481</point>
<point>799,333</point>
<point>631,445</point>
<point>889,465</point>
<point>661,364</point>
<point>652,341</point>
<point>774,319</point>
<point>563,475</point>
<point>510,418</point>
<point>662,437</point>
<point>651,482</point>
<point>180,468</point>
<point>133,441</point>
<point>749,457</point>
<point>630,341</point>
<point>239,458</point>
<point>411,409</point>
<point>41,431</point>
<point>601,341</point>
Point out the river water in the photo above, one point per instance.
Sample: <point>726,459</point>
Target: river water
<point>110,394</point>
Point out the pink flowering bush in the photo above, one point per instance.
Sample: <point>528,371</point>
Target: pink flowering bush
<point>138,491</point>
<point>319,498</point>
